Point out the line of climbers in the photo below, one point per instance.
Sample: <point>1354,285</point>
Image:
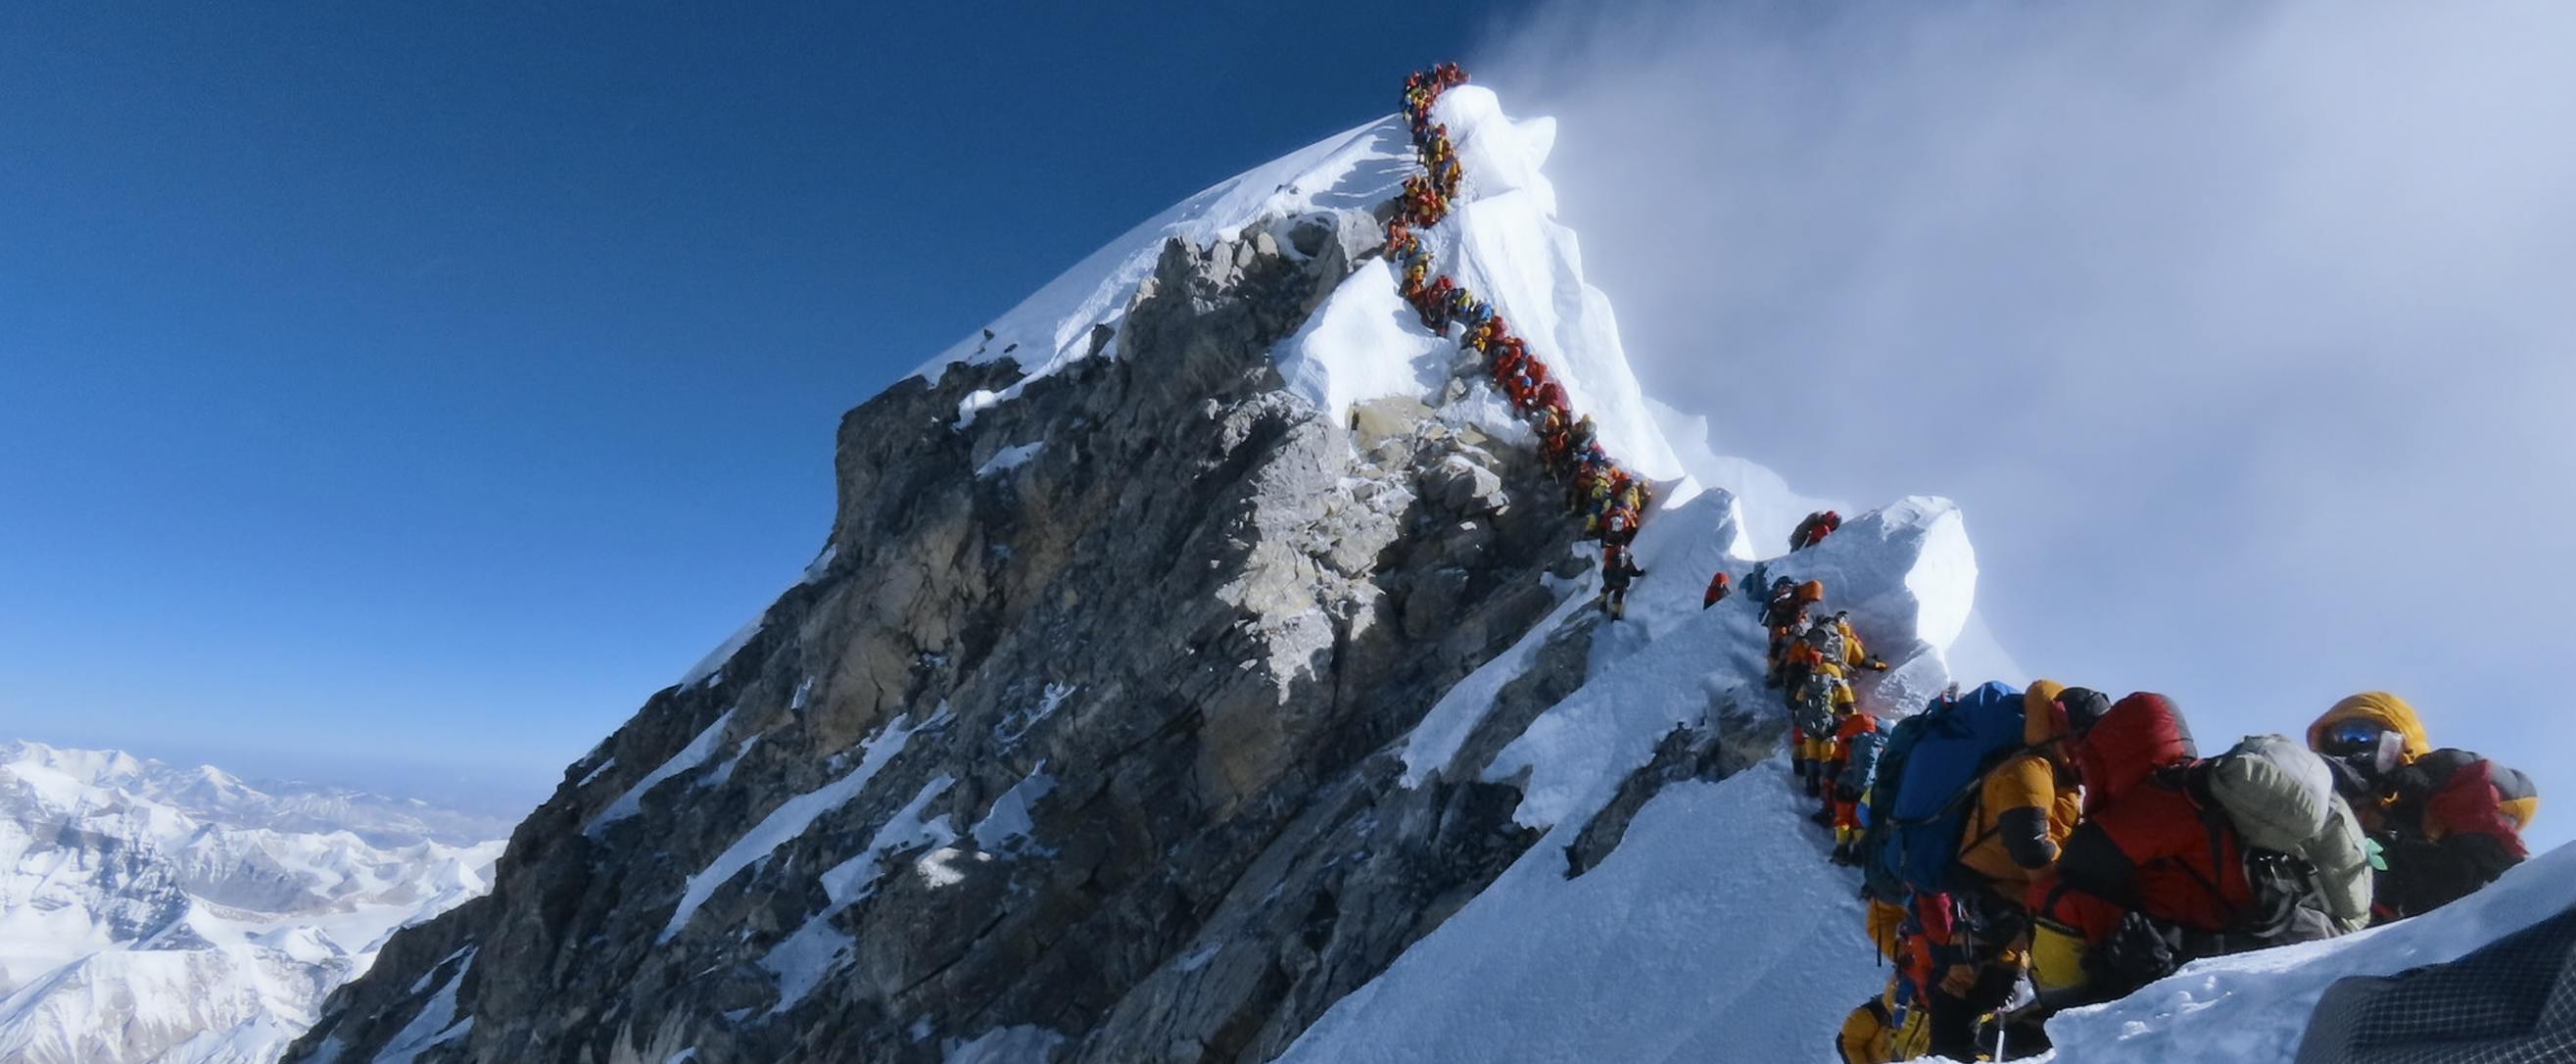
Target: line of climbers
<point>2025,852</point>
<point>1611,500</point>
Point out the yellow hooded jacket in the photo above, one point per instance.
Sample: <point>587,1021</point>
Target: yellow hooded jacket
<point>2393,713</point>
<point>1871,1035</point>
<point>2022,816</point>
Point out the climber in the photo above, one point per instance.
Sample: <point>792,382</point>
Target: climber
<point>1401,242</point>
<point>1839,644</point>
<point>1505,360</point>
<point>1485,333</point>
<point>1783,615</point>
<point>2447,821</point>
<point>1552,450</point>
<point>1719,587</point>
<point>1436,315</point>
<point>1579,486</point>
<point>1858,744</point>
<point>1524,389</point>
<point>1619,526</point>
<point>1620,523</point>
<point>2024,808</point>
<point>2019,815</point>
<point>1551,396</point>
<point>1820,696</point>
<point>1618,570</point>
<point>1465,307</point>
<point>1814,529</point>
<point>1632,498</point>
<point>1596,508</point>
<point>1884,1029</point>
<point>2160,872</point>
<point>1583,434</point>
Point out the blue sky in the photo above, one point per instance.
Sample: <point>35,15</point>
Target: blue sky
<point>413,390</point>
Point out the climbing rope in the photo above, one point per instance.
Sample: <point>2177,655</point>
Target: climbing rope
<point>1612,499</point>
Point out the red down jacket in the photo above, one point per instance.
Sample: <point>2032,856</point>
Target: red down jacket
<point>2144,845</point>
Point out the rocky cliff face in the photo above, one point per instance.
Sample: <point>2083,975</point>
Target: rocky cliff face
<point>1076,744</point>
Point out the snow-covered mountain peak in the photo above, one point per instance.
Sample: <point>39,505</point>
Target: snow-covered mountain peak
<point>1502,241</point>
<point>1054,326</point>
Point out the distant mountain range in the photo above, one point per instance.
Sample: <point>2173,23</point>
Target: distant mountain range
<point>153,914</point>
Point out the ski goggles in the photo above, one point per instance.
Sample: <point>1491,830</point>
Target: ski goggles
<point>2349,737</point>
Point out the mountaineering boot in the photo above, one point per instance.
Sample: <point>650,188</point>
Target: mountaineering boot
<point>1842,853</point>
<point>1823,818</point>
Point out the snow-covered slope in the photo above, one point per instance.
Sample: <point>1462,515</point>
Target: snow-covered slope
<point>183,916</point>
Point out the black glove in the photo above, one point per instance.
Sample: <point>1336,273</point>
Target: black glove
<point>2136,954</point>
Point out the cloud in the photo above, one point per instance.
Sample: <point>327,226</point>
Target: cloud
<point>2243,332</point>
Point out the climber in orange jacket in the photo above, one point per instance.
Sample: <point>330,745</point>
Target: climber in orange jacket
<point>2018,820</point>
<point>2447,821</point>
<point>2026,807</point>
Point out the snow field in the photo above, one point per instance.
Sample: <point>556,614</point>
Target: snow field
<point>1714,932</point>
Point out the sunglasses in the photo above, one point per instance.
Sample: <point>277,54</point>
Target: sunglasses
<point>2352,737</point>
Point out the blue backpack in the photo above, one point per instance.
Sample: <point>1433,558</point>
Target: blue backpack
<point>1860,764</point>
<point>1958,742</point>
<point>1877,842</point>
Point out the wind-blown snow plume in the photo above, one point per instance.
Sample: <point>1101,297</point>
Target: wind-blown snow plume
<point>2180,301</point>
